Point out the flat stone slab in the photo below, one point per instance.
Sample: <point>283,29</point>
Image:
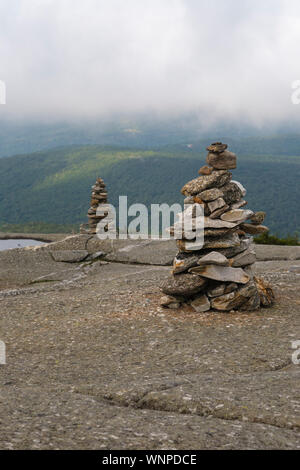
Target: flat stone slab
<point>213,258</point>
<point>244,259</point>
<point>100,365</point>
<point>254,229</point>
<point>71,242</point>
<point>276,252</point>
<point>187,380</point>
<point>221,273</point>
<point>90,423</point>
<point>23,267</point>
<point>153,252</point>
<point>237,215</point>
<point>184,284</point>
<point>200,184</point>
<point>69,256</point>
<point>163,251</point>
<point>201,304</point>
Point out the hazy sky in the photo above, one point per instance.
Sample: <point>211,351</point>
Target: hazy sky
<point>223,58</point>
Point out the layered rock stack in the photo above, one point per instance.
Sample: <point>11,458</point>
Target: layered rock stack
<point>217,274</point>
<point>98,197</point>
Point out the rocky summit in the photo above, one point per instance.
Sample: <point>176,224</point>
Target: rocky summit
<point>223,262</point>
<point>94,362</point>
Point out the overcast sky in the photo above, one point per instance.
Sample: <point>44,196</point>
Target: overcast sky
<point>223,58</point>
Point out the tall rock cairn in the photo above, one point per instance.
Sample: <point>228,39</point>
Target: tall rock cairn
<point>218,275</point>
<point>98,197</point>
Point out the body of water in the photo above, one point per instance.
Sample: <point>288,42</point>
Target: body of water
<point>10,244</point>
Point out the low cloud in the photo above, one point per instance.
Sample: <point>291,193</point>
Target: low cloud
<point>222,59</point>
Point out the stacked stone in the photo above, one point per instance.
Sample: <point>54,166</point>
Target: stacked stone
<point>99,197</point>
<point>217,275</point>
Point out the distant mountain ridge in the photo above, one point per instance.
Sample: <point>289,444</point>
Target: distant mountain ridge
<point>54,186</point>
<point>153,134</point>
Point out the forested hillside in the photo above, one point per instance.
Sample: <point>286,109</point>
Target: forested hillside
<point>54,186</point>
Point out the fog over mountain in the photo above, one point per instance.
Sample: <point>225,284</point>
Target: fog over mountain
<point>219,59</point>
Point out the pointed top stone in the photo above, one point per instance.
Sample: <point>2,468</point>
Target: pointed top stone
<point>217,147</point>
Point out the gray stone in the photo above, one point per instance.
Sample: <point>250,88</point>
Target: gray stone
<point>238,205</point>
<point>95,256</point>
<point>192,235</point>
<point>239,248</point>
<point>237,215</point>
<point>235,299</point>
<point>230,245</point>
<point>228,241</point>
<point>258,218</point>
<point>217,213</point>
<point>217,204</point>
<point>222,289</point>
<point>210,194</point>
<point>189,200</point>
<point>251,304</point>
<point>205,170</point>
<point>185,285</point>
<point>174,305</point>
<point>224,302</point>
<point>216,232</point>
<point>186,246</point>
<point>222,161</point>
<point>241,187</point>
<point>169,302</point>
<point>249,271</point>
<point>231,193</point>
<point>187,224</point>
<point>201,304</point>
<point>217,147</point>
<point>213,258</point>
<point>183,264</point>
<point>221,273</point>
<point>217,223</point>
<point>265,292</point>
<point>254,229</point>
<point>243,259</point>
<point>216,179</point>
<point>207,212</point>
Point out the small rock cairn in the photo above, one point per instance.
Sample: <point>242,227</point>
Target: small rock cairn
<point>217,275</point>
<point>99,196</point>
